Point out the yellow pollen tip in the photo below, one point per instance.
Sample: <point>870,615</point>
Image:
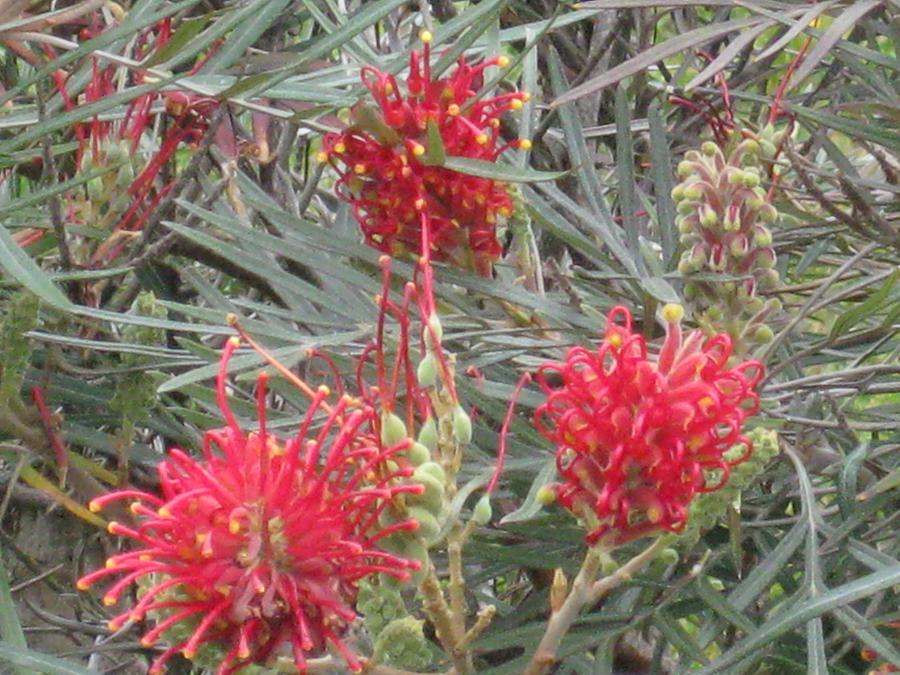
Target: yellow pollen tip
<point>654,514</point>
<point>145,558</point>
<point>109,564</point>
<point>453,109</point>
<point>526,97</point>
<point>418,150</point>
<point>164,512</point>
<point>112,527</point>
<point>234,341</point>
<point>321,156</point>
<point>495,123</point>
<point>136,616</point>
<point>419,204</point>
<point>502,61</point>
<point>134,507</point>
<point>113,626</point>
<point>234,526</point>
<point>244,654</point>
<point>189,654</point>
<point>516,104</point>
<point>340,148</point>
<point>82,585</point>
<point>426,37</point>
<point>109,600</point>
<point>94,506</point>
<point>615,340</point>
<point>231,319</point>
<point>481,139</point>
<point>200,537</point>
<point>324,390</point>
<point>524,144</point>
<point>673,312</point>
<point>359,168</point>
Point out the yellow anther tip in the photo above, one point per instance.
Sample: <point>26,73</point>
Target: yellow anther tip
<point>340,148</point>
<point>524,144</point>
<point>112,527</point>
<point>426,37</point>
<point>94,507</point>
<point>108,600</point>
<point>82,585</point>
<point>359,168</point>
<point>673,312</point>
<point>453,109</point>
<point>322,156</point>
<point>481,139</point>
<point>502,61</point>
<point>418,150</point>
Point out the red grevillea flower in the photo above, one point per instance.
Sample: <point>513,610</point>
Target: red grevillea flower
<point>638,435</point>
<point>257,548</point>
<point>383,165</point>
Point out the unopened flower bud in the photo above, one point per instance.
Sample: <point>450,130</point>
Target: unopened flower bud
<point>433,469</point>
<point>768,213</point>
<point>678,192</point>
<point>732,220</point>
<point>709,148</point>
<point>669,556</point>
<point>418,454</point>
<point>739,246</point>
<point>462,425</point>
<point>761,236</point>
<point>685,169</point>
<point>684,224</point>
<point>96,190</point>
<point>768,147</point>
<point>393,430</point>
<point>749,147</point>
<point>751,178</point>
<point>685,207</point>
<point>763,334</point>
<point>735,176</point>
<point>427,371</point>
<point>428,435</point>
<point>708,216</point>
<point>546,495</point>
<point>482,513</point>
<point>429,528</point>
<point>773,305</point>
<point>692,155</point>
<point>764,258</point>
<point>769,278</point>
<point>693,191</point>
<point>714,314</point>
<point>672,312</point>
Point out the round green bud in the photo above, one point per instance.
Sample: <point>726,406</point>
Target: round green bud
<point>709,148</point>
<point>754,305</point>
<point>750,147</point>
<point>432,469</point>
<point>678,192</point>
<point>761,236</point>
<point>735,176</point>
<point>685,169</point>
<point>462,425</point>
<point>125,175</point>
<point>669,556</point>
<point>427,371</point>
<point>685,207</point>
<point>765,258</point>
<point>393,430</point>
<point>714,314</point>
<point>763,334</point>
<point>691,291</point>
<point>692,155</point>
<point>428,434</point>
<point>767,146</point>
<point>751,180</point>
<point>429,528</point>
<point>546,495</point>
<point>483,512</point>
<point>418,454</point>
<point>773,305</point>
<point>684,225</point>
<point>708,215</point>
<point>693,191</point>
<point>433,496</point>
<point>768,213</point>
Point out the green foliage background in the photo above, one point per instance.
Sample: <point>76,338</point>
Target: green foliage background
<point>803,573</point>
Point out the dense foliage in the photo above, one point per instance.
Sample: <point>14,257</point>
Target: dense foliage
<point>628,395</point>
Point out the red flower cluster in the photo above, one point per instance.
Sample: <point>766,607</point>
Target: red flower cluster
<point>638,436</point>
<point>383,164</point>
<point>258,547</point>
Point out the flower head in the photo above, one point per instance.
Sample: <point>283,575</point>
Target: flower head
<point>388,177</point>
<point>258,546</point>
<point>638,435</point>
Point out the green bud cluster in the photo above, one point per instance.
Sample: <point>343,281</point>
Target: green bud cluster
<point>709,508</point>
<point>724,218</point>
<point>136,389</point>
<point>402,644</point>
<point>379,605</point>
<point>116,166</point>
<point>15,349</point>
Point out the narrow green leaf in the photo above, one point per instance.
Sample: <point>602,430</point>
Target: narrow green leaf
<point>35,662</point>
<point>503,172</point>
<point>434,151</point>
<point>23,269</point>
<point>10,629</point>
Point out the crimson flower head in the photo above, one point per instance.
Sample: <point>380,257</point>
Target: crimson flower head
<point>257,548</point>
<point>638,435</point>
<point>388,177</point>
